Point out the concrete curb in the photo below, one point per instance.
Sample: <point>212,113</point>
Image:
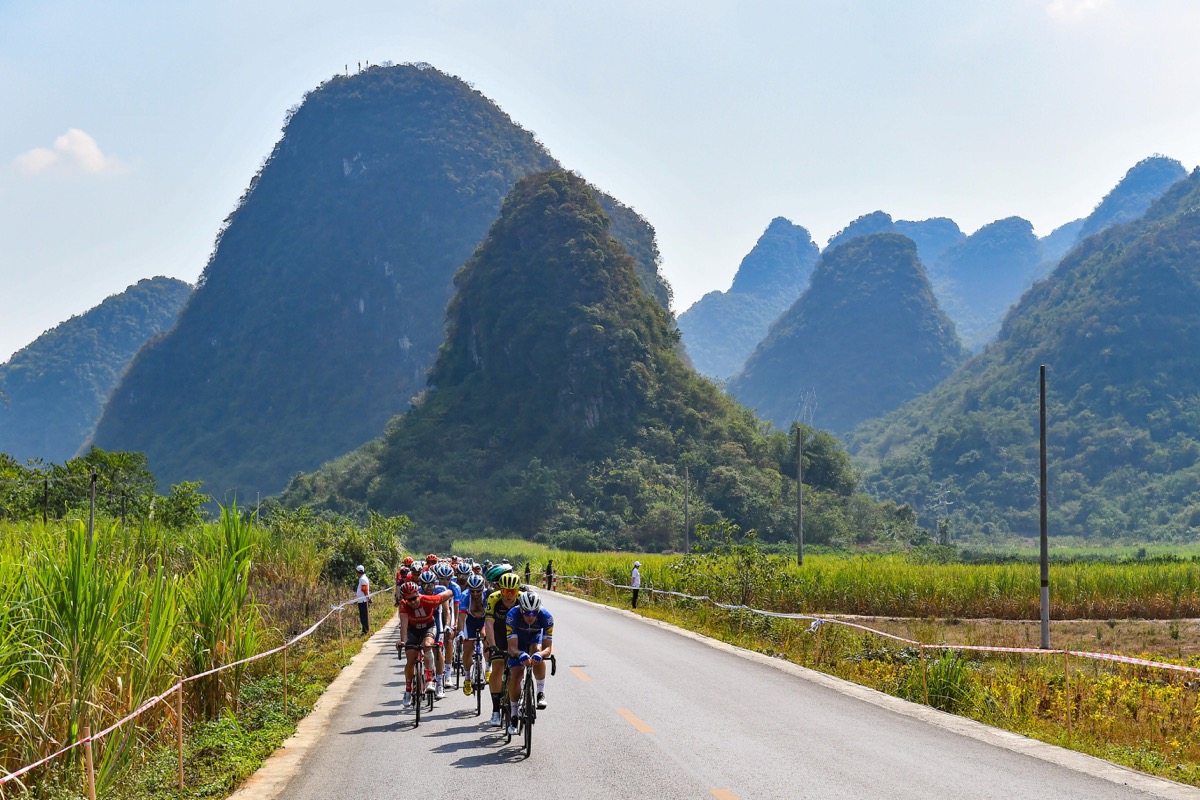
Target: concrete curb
<point>1015,742</point>
<point>281,766</point>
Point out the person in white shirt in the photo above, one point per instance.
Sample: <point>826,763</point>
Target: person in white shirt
<point>364,590</point>
<point>635,580</point>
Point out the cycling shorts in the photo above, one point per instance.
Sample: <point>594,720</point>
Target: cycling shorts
<point>474,627</point>
<point>416,636</point>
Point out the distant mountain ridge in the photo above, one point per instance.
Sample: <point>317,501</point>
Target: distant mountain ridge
<point>323,304</point>
<point>865,337</point>
<point>53,390</point>
<point>1116,325</point>
<point>559,409</point>
<point>977,278</point>
<point>722,328</point>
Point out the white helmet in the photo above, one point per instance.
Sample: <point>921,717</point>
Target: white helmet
<point>530,602</point>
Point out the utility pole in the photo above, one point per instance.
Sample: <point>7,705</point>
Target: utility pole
<point>799,495</point>
<point>1045,539</point>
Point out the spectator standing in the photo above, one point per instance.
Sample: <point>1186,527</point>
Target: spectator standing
<point>528,576</point>
<point>549,574</point>
<point>635,580</point>
<point>363,598</point>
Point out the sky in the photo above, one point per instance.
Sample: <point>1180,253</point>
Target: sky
<point>130,129</point>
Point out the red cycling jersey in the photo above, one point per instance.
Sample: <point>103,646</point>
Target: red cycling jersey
<point>425,612</point>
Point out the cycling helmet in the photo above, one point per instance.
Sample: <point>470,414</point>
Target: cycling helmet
<point>431,558</point>
<point>463,569</point>
<point>443,571</point>
<point>510,580</point>
<point>409,589</point>
<point>428,577</point>
<point>475,582</point>
<point>530,602</point>
<point>477,569</point>
<point>408,561</point>
<point>494,572</point>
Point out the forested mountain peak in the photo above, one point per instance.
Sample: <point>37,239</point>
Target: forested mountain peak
<point>1116,326</point>
<point>322,305</point>
<point>1144,183</point>
<point>780,261</point>
<point>865,337</point>
<point>559,409</point>
<point>52,391</point>
<point>722,328</point>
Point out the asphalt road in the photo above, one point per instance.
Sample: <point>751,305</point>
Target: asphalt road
<point>637,710</point>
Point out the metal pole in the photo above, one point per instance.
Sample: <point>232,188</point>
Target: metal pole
<point>1044,536</point>
<point>92,510</point>
<point>799,495</point>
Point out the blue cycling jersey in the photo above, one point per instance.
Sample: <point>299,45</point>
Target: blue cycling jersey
<point>529,631</point>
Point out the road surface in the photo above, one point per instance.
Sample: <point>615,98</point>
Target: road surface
<point>638,710</point>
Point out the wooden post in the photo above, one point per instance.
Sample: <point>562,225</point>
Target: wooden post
<point>817,661</point>
<point>87,755</point>
<point>285,647</point>
<point>924,675</point>
<point>341,635</point>
<point>179,729</point>
<point>1067,685</point>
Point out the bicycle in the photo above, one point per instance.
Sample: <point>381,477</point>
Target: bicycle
<point>423,688</point>
<point>527,708</point>
<point>478,682</point>
<point>457,662</point>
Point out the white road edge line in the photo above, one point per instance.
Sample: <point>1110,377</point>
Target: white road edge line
<point>1070,759</point>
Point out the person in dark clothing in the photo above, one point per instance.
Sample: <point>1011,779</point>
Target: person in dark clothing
<point>549,575</point>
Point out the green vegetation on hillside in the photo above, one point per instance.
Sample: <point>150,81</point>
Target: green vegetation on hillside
<point>323,303</point>
<point>53,390</point>
<point>864,338</point>
<point>558,409</point>
<point>1116,326</point>
<point>723,328</point>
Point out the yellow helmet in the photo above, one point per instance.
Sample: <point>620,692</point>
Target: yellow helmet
<point>510,580</point>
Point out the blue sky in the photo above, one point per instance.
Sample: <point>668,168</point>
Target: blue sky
<point>131,128</point>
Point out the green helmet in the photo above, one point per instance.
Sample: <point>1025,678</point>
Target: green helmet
<point>495,571</point>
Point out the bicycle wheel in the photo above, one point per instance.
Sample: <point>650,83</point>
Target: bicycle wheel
<point>477,679</point>
<point>418,691</point>
<point>529,712</point>
<point>505,708</point>
<point>458,663</point>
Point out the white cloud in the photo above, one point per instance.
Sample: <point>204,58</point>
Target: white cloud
<point>74,151</point>
<point>1072,10</point>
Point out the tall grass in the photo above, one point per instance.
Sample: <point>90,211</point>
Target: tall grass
<point>88,634</point>
<point>893,585</point>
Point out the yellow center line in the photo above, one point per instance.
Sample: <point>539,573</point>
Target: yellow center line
<point>634,721</point>
<point>723,794</point>
<point>581,675</point>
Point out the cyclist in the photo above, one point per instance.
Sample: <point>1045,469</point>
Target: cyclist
<point>445,574</point>
<point>474,613</point>
<point>430,587</point>
<point>418,630</point>
<point>530,640</point>
<point>499,603</point>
